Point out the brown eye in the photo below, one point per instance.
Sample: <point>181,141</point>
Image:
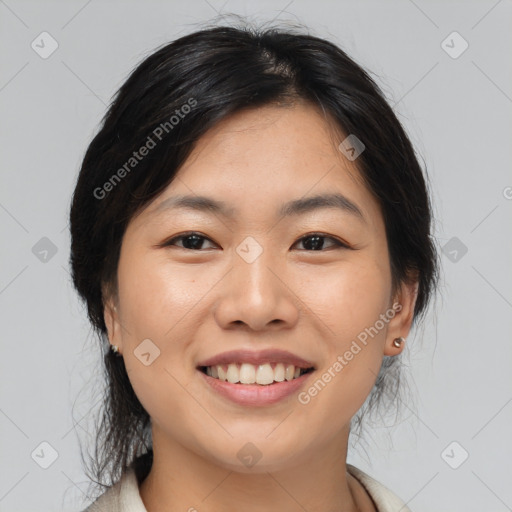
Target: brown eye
<point>192,241</point>
<point>316,242</point>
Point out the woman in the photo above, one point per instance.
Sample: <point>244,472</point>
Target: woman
<point>251,233</point>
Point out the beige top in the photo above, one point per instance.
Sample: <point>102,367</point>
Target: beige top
<point>124,495</point>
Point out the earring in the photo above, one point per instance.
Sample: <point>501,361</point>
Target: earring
<point>115,349</point>
<point>397,342</point>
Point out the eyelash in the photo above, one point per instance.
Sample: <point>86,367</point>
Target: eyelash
<point>337,243</point>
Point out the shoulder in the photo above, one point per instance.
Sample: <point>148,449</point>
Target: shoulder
<point>385,500</point>
<point>124,496</point>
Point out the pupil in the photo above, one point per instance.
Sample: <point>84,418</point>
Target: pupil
<point>317,242</point>
<point>196,243</point>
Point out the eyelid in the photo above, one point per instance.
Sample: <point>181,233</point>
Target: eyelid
<point>338,243</point>
<point>168,243</point>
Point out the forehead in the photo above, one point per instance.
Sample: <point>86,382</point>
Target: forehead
<point>257,160</point>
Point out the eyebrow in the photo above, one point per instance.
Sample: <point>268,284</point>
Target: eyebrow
<point>291,208</point>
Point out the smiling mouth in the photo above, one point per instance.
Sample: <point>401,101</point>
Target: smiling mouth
<point>263,374</point>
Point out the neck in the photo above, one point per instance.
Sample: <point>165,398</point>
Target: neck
<point>183,480</point>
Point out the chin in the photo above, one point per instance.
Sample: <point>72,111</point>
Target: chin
<point>256,455</point>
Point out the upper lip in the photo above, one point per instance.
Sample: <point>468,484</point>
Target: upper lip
<point>257,358</point>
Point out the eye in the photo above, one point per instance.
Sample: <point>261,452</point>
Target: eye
<point>315,242</point>
<point>192,241</point>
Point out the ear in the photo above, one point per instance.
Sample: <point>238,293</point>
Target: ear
<point>111,317</point>
<point>400,325</point>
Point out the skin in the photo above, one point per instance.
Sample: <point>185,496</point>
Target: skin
<point>196,303</point>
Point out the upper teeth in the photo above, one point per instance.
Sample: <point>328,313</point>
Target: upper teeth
<point>246,373</point>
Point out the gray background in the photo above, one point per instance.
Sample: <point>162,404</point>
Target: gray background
<point>458,113</point>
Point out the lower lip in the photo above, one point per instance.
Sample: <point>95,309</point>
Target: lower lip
<point>256,395</point>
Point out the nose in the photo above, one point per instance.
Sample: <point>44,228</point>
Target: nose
<point>257,295</point>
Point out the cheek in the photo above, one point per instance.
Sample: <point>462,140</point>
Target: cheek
<point>154,301</point>
<point>350,303</point>
<point>155,295</point>
<point>349,298</point>
<point>155,298</point>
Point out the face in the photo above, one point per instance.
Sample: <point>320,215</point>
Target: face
<point>245,281</point>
